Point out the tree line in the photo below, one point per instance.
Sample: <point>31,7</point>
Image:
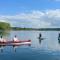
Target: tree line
<point>7,26</point>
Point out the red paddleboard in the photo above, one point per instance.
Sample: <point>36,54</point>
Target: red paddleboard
<point>19,42</point>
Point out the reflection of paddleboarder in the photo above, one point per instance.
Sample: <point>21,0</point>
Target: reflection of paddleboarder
<point>1,48</point>
<point>14,47</point>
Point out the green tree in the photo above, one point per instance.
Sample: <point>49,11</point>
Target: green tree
<point>4,26</point>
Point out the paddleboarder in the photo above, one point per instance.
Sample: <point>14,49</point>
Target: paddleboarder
<point>15,38</point>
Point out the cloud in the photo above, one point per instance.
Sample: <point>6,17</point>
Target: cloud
<point>28,16</point>
<point>53,13</point>
<point>35,15</point>
<point>36,19</point>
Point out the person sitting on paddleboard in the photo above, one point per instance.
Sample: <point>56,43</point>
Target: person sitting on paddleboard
<point>15,39</point>
<point>2,40</point>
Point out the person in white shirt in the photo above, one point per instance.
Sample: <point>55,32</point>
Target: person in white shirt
<point>1,39</point>
<point>15,38</point>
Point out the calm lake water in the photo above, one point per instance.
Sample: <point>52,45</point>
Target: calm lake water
<point>47,49</point>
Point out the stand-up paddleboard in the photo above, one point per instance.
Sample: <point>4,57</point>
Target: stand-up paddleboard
<point>19,42</point>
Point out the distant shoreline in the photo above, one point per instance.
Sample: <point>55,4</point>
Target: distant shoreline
<point>36,29</point>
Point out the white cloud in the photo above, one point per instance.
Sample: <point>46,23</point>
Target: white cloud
<point>28,16</point>
<point>47,18</point>
<point>35,15</point>
<point>53,13</point>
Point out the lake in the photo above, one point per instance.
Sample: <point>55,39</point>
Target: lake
<point>46,49</point>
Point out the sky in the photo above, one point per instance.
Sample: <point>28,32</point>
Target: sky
<point>31,13</point>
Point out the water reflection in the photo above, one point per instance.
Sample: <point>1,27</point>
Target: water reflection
<point>1,48</point>
<point>40,41</point>
<point>14,47</point>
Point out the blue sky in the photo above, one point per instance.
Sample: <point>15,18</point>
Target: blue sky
<point>30,13</point>
<point>17,6</point>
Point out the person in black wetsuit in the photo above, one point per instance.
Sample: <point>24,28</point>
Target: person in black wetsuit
<point>59,38</point>
<point>40,36</point>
